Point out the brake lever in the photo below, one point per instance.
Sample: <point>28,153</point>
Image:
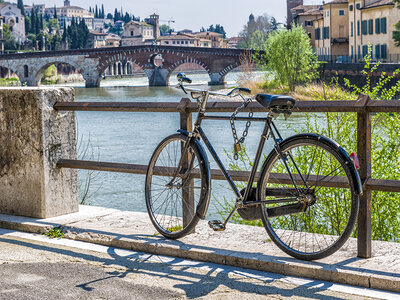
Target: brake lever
<point>183,88</point>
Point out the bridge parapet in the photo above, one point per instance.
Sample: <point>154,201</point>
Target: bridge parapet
<point>92,63</point>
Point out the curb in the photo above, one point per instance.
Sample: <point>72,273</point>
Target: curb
<point>160,246</point>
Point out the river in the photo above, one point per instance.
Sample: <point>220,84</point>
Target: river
<point>131,138</point>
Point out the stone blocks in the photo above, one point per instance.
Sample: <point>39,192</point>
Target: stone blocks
<point>33,137</point>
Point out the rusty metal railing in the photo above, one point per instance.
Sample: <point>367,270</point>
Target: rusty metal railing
<point>364,107</point>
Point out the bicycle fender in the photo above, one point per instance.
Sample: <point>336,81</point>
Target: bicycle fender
<point>346,157</point>
<point>202,207</point>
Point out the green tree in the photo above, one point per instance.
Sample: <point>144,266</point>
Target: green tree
<point>55,12</point>
<point>96,12</point>
<point>9,41</point>
<point>289,55</point>
<point>102,12</point>
<point>396,33</point>
<point>257,40</point>
<point>165,30</point>
<point>20,5</point>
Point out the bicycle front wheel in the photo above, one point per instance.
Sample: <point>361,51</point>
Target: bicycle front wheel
<point>313,205</point>
<point>172,201</point>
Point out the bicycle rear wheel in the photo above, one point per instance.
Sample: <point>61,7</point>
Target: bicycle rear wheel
<point>315,211</point>
<point>172,203</point>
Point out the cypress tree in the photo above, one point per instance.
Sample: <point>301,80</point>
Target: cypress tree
<point>102,11</point>
<point>20,5</point>
<point>96,14</point>
<point>55,12</point>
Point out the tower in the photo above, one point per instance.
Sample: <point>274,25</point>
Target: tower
<point>155,21</point>
<point>67,3</point>
<point>291,4</point>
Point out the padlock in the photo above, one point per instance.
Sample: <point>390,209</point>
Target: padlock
<point>237,147</point>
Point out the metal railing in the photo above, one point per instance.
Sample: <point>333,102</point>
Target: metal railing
<point>357,59</point>
<point>364,107</point>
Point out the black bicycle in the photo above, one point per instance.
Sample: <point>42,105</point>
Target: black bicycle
<point>305,183</point>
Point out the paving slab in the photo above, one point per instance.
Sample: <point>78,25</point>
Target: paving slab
<point>239,245</point>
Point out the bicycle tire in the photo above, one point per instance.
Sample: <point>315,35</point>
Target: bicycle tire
<point>165,204</point>
<point>328,222</point>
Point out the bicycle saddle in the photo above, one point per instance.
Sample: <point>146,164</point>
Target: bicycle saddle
<point>276,101</point>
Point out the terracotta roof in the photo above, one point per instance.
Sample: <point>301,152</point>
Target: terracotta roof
<point>177,37</point>
<point>306,7</point>
<point>98,33</point>
<point>208,33</point>
<point>338,2</point>
<point>312,12</point>
<point>379,3</point>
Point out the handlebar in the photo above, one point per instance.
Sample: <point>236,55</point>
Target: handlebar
<point>182,78</point>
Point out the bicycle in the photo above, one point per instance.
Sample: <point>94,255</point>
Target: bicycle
<point>303,180</point>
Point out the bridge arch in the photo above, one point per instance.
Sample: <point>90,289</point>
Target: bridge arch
<point>180,65</point>
<point>37,73</point>
<point>7,71</point>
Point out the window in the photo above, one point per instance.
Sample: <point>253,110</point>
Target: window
<point>351,8</point>
<point>358,6</point>
<point>358,27</point>
<point>341,12</point>
<point>325,33</point>
<point>166,42</point>
<point>352,29</point>
<point>359,52</point>
<point>131,33</point>
<point>352,51</point>
<point>364,50</point>
<point>308,23</point>
<point>377,26</point>
<point>383,52</point>
<point>371,26</point>
<point>26,71</point>
<point>186,42</point>
<point>383,25</point>
<point>378,51</point>
<point>318,33</point>
<point>17,20</point>
<point>173,42</point>
<point>364,28</point>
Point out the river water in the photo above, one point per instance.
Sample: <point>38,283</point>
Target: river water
<point>127,137</point>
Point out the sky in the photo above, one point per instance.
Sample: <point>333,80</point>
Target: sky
<point>191,14</point>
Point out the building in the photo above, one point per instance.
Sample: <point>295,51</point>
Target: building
<point>306,15</point>
<point>234,42</point>
<point>41,9</point>
<point>180,40</point>
<point>13,17</point>
<point>141,33</point>
<point>332,29</point>
<point>216,40</point>
<point>1,35</point>
<point>67,12</point>
<point>96,39</point>
<point>289,5</point>
<point>372,23</point>
<point>113,40</point>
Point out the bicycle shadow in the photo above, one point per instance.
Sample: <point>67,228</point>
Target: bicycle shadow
<point>192,283</point>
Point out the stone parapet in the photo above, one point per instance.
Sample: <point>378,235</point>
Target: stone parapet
<point>33,137</point>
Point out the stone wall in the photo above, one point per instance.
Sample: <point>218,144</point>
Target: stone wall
<point>33,137</point>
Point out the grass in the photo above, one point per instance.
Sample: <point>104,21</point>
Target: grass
<point>55,232</point>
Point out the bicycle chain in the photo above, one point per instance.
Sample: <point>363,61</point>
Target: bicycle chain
<point>237,142</point>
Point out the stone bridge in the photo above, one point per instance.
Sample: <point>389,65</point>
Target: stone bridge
<point>157,62</point>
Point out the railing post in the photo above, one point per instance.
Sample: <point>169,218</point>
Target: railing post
<point>188,209</point>
<point>364,155</point>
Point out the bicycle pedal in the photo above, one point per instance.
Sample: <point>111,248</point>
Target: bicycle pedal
<point>216,225</point>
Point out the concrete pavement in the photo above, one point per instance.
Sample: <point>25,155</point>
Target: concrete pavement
<point>239,246</point>
<point>35,267</point>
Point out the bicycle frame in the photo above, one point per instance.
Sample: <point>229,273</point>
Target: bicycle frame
<point>269,130</point>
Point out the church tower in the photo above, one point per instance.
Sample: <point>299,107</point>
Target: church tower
<point>291,4</point>
<point>67,3</point>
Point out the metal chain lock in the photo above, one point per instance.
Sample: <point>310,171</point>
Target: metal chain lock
<point>237,142</point>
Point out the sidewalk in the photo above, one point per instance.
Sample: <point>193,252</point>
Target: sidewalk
<point>239,245</point>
